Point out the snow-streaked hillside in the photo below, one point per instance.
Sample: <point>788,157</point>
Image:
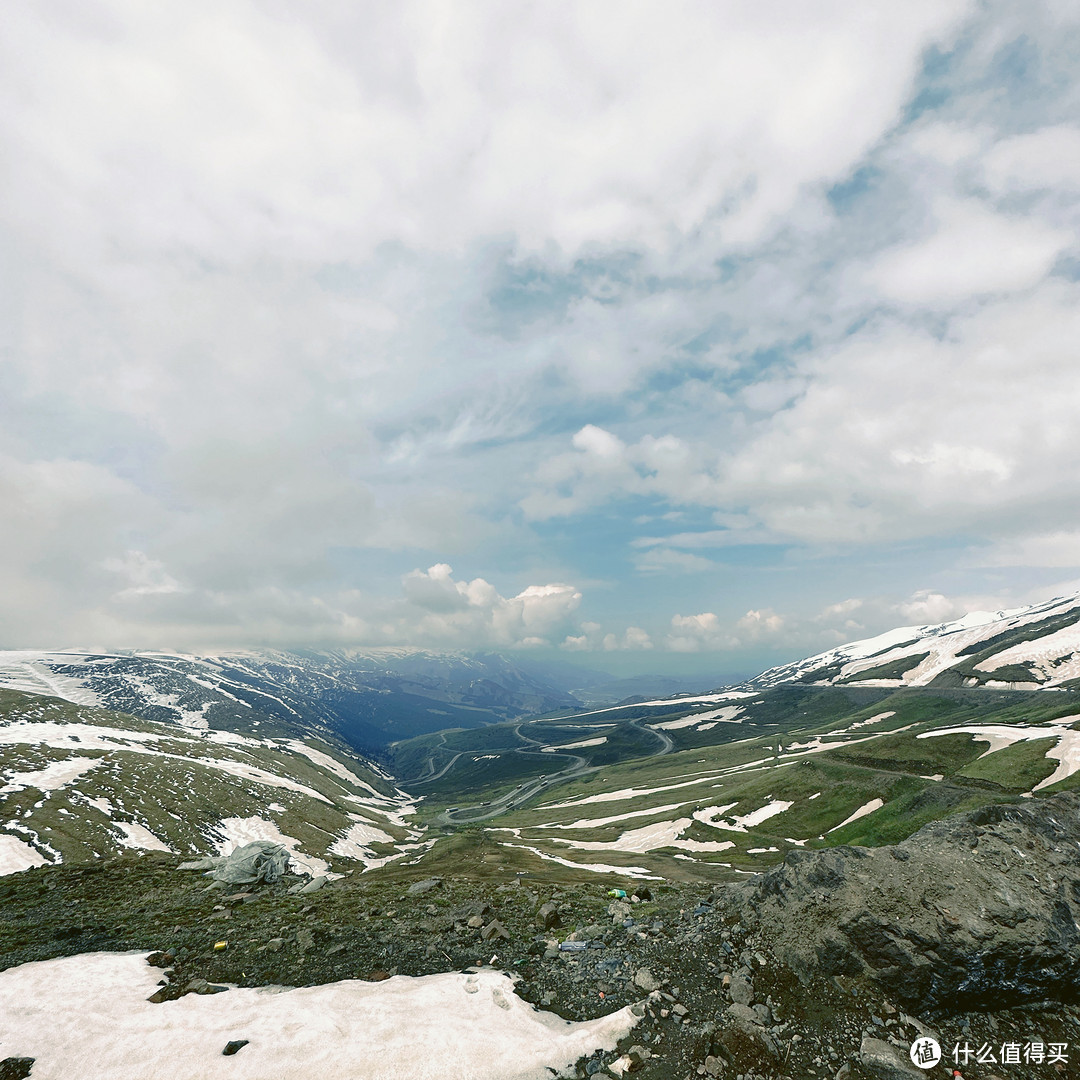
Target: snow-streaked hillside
<point>1024,648</point>
<point>79,782</point>
<point>368,698</point>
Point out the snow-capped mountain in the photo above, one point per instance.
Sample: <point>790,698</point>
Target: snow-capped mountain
<point>1029,648</point>
<point>367,698</point>
<point>79,782</point>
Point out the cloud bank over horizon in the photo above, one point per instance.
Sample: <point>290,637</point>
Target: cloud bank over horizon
<point>711,331</point>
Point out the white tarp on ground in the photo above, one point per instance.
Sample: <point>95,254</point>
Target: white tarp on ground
<point>87,1017</point>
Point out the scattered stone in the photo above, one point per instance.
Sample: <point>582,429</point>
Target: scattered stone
<point>304,939</point>
<point>886,1062</point>
<point>274,944</point>
<point>314,885</point>
<point>738,1011</point>
<point>494,930</point>
<point>233,1046</point>
<point>741,991</point>
<point>548,916</point>
<point>418,888</point>
<point>475,922</point>
<point>644,978</point>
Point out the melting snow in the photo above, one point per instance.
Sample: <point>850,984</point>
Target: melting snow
<point>873,719</point>
<point>596,868</point>
<point>675,725</point>
<point>1066,752</point>
<point>54,775</point>
<point>740,823</point>
<point>353,844</point>
<point>16,855</point>
<point>630,793</point>
<point>330,764</point>
<point>866,808</point>
<point>575,745</point>
<point>659,834</point>
<point>136,836</point>
<point>88,1016</point>
<point>596,823</point>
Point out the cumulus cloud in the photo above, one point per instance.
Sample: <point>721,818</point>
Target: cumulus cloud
<point>699,633</point>
<point>457,613</point>
<point>601,467</point>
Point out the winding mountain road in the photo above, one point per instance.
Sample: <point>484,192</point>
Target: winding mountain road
<point>577,766</point>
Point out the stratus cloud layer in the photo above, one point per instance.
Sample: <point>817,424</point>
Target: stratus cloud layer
<point>296,305</point>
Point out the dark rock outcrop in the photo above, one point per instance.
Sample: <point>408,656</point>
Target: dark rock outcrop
<point>975,911</point>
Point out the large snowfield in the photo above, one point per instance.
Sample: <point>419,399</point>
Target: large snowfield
<point>87,1018</point>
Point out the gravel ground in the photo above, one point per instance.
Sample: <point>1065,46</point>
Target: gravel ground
<point>715,998</point>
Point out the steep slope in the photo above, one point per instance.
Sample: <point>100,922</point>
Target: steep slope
<point>1025,648</point>
<point>368,698</point>
<point>79,782</point>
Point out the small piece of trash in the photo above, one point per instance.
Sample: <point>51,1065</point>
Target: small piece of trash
<point>573,946</point>
<point>219,945</point>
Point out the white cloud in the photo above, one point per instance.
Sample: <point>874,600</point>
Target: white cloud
<point>603,467</point>
<point>1060,548</point>
<point>663,560</point>
<point>973,251</point>
<point>459,613</point>
<point>256,320</point>
<point>928,606</point>
<point>1043,160</point>
<point>758,624</point>
<point>698,633</point>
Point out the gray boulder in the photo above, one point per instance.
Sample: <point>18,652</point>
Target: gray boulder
<point>978,910</point>
<point>885,1062</point>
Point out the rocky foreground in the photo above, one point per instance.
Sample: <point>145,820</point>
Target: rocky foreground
<point>831,965</point>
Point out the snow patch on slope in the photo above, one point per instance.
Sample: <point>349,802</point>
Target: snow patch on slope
<point>92,1009</point>
<point>17,855</point>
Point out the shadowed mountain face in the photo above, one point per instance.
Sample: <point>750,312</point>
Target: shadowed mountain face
<point>367,699</point>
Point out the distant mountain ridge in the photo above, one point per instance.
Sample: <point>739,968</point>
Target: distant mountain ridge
<point>1036,647</point>
<point>367,698</point>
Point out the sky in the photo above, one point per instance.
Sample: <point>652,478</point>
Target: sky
<point>643,335</point>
